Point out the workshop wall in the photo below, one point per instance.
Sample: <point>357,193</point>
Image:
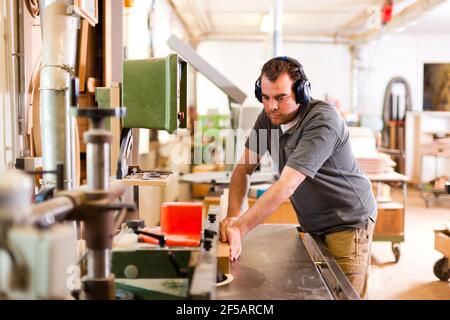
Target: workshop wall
<point>327,66</point>
<point>397,55</point>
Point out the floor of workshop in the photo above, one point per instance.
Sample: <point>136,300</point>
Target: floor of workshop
<point>412,277</point>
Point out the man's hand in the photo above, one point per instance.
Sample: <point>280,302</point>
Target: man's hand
<point>224,224</point>
<point>230,233</point>
<point>235,240</point>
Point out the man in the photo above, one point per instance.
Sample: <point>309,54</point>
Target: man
<point>318,172</point>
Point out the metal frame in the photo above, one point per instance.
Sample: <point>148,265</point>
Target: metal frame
<point>203,283</point>
<point>339,285</point>
<point>200,64</point>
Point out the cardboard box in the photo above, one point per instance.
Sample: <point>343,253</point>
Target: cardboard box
<point>390,219</point>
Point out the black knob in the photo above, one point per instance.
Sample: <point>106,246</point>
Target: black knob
<point>212,217</point>
<point>207,244</point>
<point>135,224</point>
<point>208,234</point>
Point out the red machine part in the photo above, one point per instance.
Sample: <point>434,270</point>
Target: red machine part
<point>181,222</point>
<point>386,11</point>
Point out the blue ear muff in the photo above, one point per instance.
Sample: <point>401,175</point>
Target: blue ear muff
<point>302,87</point>
<point>258,91</point>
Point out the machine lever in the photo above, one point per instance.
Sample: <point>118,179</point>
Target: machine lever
<point>179,271</point>
<point>161,238</point>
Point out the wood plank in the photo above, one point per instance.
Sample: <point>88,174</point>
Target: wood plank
<point>82,61</point>
<point>162,182</point>
<point>285,214</point>
<point>223,257</point>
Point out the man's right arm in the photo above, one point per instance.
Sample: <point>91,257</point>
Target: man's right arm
<point>240,181</point>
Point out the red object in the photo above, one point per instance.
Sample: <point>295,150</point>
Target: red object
<point>181,218</point>
<point>172,240</point>
<point>181,222</point>
<point>386,11</point>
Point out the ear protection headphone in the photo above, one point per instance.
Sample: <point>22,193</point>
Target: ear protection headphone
<point>301,87</point>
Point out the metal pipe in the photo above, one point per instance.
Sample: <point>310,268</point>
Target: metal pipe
<point>98,166</point>
<point>277,27</point>
<point>59,38</point>
<point>355,93</point>
<point>99,264</point>
<point>19,56</point>
<point>98,142</point>
<point>13,72</point>
<point>47,213</point>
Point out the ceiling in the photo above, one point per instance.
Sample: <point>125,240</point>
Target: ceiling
<point>238,19</point>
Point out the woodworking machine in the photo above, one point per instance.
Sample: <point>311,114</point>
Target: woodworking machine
<point>165,269</point>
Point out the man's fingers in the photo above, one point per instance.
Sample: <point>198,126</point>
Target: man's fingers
<point>223,229</point>
<point>223,234</point>
<point>235,251</point>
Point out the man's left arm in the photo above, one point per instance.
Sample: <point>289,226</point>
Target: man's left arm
<point>279,192</point>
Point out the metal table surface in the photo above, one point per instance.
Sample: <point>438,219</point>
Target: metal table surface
<point>274,265</point>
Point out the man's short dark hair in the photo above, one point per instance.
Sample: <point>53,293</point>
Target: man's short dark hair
<point>273,68</point>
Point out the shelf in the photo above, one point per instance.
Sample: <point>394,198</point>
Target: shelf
<point>430,113</point>
<point>136,180</point>
<point>387,177</point>
<point>438,155</point>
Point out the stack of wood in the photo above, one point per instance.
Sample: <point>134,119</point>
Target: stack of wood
<point>440,146</point>
<point>375,163</point>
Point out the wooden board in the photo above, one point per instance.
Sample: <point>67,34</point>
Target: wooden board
<point>223,257</point>
<point>82,61</point>
<point>285,214</point>
<point>162,182</point>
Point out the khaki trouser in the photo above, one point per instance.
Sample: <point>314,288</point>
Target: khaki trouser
<point>351,249</point>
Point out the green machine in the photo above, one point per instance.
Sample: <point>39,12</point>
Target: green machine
<point>154,92</point>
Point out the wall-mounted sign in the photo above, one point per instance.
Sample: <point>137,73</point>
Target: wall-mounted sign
<point>87,9</point>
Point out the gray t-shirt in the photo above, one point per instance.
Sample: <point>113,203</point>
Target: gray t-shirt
<point>335,194</point>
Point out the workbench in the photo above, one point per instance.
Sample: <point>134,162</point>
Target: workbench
<point>275,264</point>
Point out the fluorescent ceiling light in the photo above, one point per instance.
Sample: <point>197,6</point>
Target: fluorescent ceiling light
<point>266,23</point>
